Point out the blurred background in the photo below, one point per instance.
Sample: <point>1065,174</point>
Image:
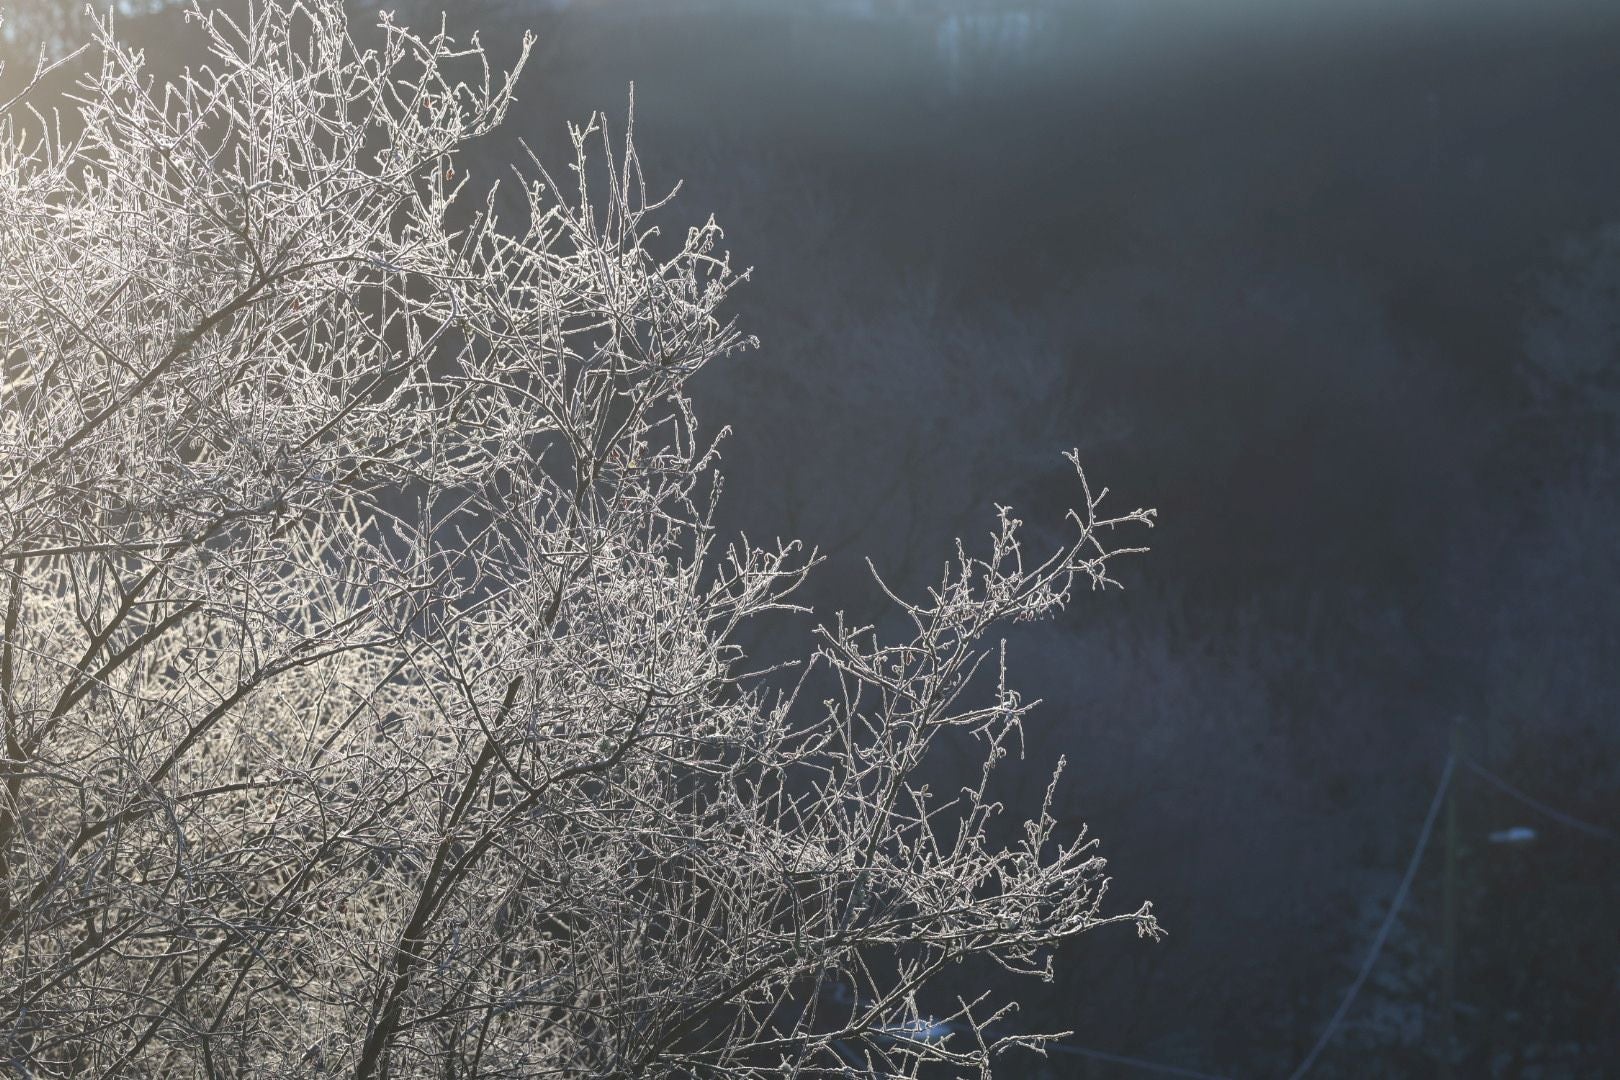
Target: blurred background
<point>1334,285</point>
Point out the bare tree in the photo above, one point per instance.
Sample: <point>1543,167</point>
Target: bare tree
<point>370,697</point>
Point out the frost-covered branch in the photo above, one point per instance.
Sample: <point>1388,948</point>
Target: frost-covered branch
<point>371,701</point>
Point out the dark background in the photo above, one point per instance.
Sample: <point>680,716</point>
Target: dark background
<point>1334,285</point>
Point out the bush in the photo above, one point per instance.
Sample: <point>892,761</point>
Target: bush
<point>371,695</point>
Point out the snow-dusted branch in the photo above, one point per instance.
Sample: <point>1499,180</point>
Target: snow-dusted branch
<point>371,701</point>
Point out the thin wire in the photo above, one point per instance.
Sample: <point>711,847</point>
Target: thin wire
<point>1536,804</point>
<point>1135,1063</point>
<point>1380,938</point>
<point>1389,922</point>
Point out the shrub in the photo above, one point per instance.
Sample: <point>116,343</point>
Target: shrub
<point>371,702</point>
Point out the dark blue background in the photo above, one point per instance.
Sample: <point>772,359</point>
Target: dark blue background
<point>1334,285</point>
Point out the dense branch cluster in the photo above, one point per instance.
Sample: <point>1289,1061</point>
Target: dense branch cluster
<point>370,697</point>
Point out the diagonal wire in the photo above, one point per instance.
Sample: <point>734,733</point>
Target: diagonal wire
<point>1379,939</point>
<point>1389,922</point>
<point>1536,804</point>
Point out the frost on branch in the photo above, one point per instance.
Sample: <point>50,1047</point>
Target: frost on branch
<point>370,696</point>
